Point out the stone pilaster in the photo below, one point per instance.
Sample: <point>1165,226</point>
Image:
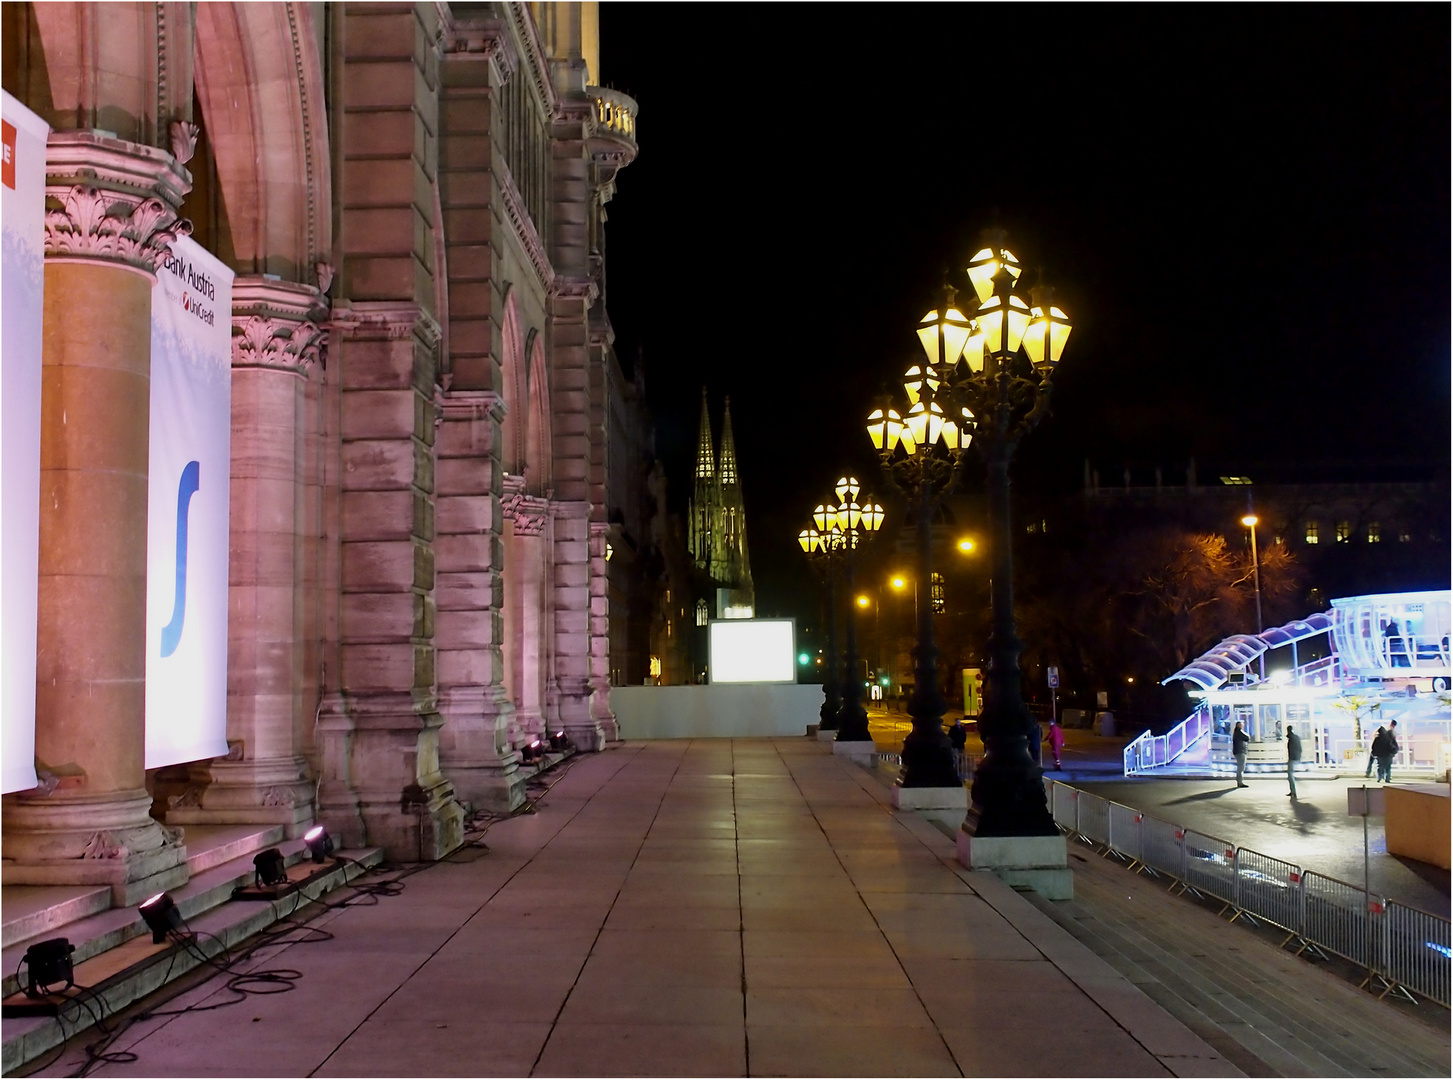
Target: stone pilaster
<point>529,595</point>
<point>572,625</point>
<point>474,748</point>
<point>379,730</point>
<point>116,218</point>
<point>600,709</point>
<point>277,339</point>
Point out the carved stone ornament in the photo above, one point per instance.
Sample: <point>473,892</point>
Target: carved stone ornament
<point>277,796</point>
<point>325,272</point>
<point>184,140</point>
<point>109,226</point>
<point>191,797</point>
<point>102,845</point>
<point>263,341</point>
<point>527,512</point>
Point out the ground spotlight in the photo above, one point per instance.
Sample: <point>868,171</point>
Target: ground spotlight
<point>268,867</point>
<point>532,751</point>
<point>161,914</point>
<point>558,741</point>
<point>47,965</point>
<point>320,844</point>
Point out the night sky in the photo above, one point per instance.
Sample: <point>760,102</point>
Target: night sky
<point>1245,211</point>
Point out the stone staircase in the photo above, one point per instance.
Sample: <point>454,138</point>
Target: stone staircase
<point>114,955</point>
<point>1266,1010</point>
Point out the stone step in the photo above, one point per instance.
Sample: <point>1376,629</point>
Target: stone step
<point>212,845</point>
<point>34,911</point>
<point>130,968</point>
<point>1270,1012</point>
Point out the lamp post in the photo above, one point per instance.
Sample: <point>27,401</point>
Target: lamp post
<point>822,550</point>
<point>855,523</point>
<point>1250,522</point>
<point>988,379</point>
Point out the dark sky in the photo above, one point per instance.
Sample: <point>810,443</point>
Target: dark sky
<point>1245,210</point>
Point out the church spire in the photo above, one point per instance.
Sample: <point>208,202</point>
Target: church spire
<point>728,469</point>
<point>705,459</point>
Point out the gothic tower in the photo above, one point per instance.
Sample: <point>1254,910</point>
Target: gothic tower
<point>718,523</point>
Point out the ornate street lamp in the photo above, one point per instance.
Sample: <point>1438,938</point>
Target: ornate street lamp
<point>987,379</point>
<point>822,548</point>
<point>856,523</point>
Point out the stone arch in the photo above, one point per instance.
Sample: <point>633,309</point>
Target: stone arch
<point>515,388</point>
<point>259,84</point>
<point>538,436</point>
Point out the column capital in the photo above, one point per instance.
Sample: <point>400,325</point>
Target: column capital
<point>277,324</point>
<point>383,319</point>
<point>483,39</point>
<point>112,202</point>
<point>472,405</point>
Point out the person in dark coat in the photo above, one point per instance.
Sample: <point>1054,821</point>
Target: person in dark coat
<point>1389,751</point>
<point>1374,753</point>
<point>1239,739</point>
<point>1294,755</point>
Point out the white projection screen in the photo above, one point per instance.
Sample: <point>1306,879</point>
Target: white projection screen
<point>752,651</point>
<point>188,508</point>
<point>22,216</point>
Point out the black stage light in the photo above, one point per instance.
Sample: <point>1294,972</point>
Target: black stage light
<point>48,963</point>
<point>161,914</point>
<point>269,868</point>
<point>558,741</point>
<point>532,751</point>
<point>320,844</point>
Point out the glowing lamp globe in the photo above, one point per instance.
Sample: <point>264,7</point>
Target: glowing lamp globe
<point>872,516</point>
<point>915,379</point>
<point>824,517</point>
<point>1045,337</point>
<point>947,328</point>
<point>1004,324</point>
<point>847,488</point>
<point>884,428</point>
<point>985,265</point>
<point>929,425</point>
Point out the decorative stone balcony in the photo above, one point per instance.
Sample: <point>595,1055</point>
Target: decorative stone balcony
<point>614,143</point>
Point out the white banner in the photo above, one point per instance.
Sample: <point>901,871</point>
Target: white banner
<point>22,278</point>
<point>187,510</point>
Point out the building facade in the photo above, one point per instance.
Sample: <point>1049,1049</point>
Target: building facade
<point>411,196</point>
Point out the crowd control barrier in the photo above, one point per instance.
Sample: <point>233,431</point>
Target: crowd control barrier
<point>1403,948</point>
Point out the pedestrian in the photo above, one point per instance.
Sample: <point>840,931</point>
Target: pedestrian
<point>957,736</point>
<point>1056,740</point>
<point>1389,751</point>
<point>1294,755</point>
<point>1374,753</point>
<point>1239,739</point>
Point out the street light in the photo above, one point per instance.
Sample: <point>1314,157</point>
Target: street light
<point>856,523</point>
<point>822,549</point>
<point>989,385</point>
<point>1250,522</point>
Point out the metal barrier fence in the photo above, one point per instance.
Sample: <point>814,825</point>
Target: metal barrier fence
<point>1268,889</point>
<point>1415,950</point>
<point>1402,947</point>
<point>1210,866</point>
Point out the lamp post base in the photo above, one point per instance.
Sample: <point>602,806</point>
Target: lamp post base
<point>1035,862</point>
<point>928,762</point>
<point>1008,801</point>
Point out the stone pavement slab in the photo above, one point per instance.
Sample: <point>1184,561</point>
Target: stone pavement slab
<point>687,908</point>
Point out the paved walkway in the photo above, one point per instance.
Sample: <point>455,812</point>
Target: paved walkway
<point>711,907</point>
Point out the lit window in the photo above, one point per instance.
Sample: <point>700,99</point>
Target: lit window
<point>1374,532</point>
<point>1033,526</point>
<point>1278,540</point>
<point>701,613</point>
<point>1404,536</point>
<point>1344,531</point>
<point>935,593</point>
<point>1311,532</point>
<point>655,667</point>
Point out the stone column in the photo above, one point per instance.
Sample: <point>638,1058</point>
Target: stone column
<point>378,729</point>
<point>600,709</point>
<point>474,748</point>
<point>276,343</point>
<point>116,222</point>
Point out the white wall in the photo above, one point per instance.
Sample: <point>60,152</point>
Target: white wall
<point>719,711</point>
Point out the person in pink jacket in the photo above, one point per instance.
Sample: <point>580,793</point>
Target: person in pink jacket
<point>1056,740</point>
